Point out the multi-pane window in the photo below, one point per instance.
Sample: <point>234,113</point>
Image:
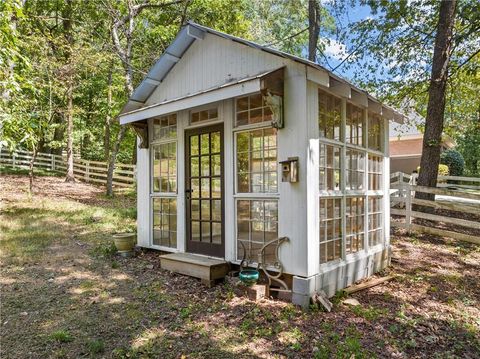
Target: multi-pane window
<point>375,172</point>
<point>252,109</point>
<point>210,114</point>
<point>355,169</point>
<point>165,167</point>
<point>375,132</point>
<point>330,229</point>
<point>354,125</point>
<point>375,223</point>
<point>257,224</point>
<point>349,166</point>
<point>329,167</point>
<point>165,127</point>
<point>257,161</point>
<point>165,222</point>
<point>354,217</point>
<point>329,116</point>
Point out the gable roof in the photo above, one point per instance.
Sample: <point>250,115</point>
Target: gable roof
<point>186,37</point>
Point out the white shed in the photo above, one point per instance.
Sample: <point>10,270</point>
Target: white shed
<point>241,145</point>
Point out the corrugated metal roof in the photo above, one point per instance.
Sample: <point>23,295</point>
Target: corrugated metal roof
<point>184,39</point>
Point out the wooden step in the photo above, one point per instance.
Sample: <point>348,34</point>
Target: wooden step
<point>205,268</point>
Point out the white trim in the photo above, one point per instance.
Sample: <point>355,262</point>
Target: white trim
<point>194,100</point>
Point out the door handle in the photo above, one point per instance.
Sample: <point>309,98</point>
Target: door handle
<point>188,193</point>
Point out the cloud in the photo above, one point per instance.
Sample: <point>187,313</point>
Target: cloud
<point>334,49</point>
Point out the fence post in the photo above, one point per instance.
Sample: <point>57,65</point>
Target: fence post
<point>408,207</point>
<point>87,170</point>
<point>52,162</point>
<point>13,159</point>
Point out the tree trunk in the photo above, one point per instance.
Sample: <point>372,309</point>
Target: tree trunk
<point>313,28</point>
<point>108,119</point>
<point>30,169</point>
<point>70,177</point>
<point>432,137</point>
<point>112,159</point>
<point>67,27</point>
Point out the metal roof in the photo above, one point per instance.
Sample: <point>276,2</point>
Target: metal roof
<point>184,39</point>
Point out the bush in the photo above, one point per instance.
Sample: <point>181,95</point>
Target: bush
<point>454,160</point>
<point>442,170</point>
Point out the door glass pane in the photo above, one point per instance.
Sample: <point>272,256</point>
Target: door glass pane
<point>216,188</point>
<point>205,166</point>
<point>217,210</point>
<point>215,138</point>
<point>195,231</point>
<point>194,167</point>
<point>195,205</point>
<point>205,188</point>
<point>194,145</point>
<point>216,169</point>
<point>195,188</point>
<point>205,210</point>
<point>206,232</point>
<point>204,144</point>
<point>216,233</point>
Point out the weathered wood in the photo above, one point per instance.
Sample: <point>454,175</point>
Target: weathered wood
<point>321,298</point>
<point>444,233</point>
<point>457,221</point>
<point>369,284</point>
<point>204,268</point>
<point>445,192</point>
<point>453,206</point>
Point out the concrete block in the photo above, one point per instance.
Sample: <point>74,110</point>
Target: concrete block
<point>302,285</point>
<point>301,300</point>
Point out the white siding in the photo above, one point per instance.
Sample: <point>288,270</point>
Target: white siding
<point>143,197</point>
<point>211,62</point>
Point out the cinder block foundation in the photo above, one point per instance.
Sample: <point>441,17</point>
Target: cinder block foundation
<point>334,279</point>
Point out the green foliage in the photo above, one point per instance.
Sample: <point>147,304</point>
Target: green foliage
<point>96,346</point>
<point>62,336</point>
<point>454,160</point>
<point>442,170</point>
<point>469,147</point>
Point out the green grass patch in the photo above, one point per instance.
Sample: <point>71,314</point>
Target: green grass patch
<point>96,346</point>
<point>62,336</point>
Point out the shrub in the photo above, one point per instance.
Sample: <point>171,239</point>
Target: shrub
<point>442,170</point>
<point>454,160</point>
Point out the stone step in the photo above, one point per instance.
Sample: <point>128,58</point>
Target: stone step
<point>207,269</point>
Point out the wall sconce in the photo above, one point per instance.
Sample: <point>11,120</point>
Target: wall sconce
<point>290,170</point>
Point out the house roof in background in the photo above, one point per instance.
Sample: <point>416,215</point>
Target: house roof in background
<point>187,36</point>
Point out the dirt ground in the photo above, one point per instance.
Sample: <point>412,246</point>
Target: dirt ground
<point>65,294</point>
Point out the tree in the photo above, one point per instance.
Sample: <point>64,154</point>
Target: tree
<point>432,137</point>
<point>313,28</point>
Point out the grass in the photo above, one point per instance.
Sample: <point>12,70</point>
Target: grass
<point>22,171</point>
<point>77,298</point>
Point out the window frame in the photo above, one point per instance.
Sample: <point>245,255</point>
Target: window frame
<point>345,193</point>
<point>250,196</point>
<point>158,194</point>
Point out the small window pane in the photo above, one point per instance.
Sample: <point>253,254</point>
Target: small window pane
<point>354,125</point>
<point>375,221</point>
<point>329,116</point>
<point>204,115</point>
<point>330,229</point>
<point>375,169</point>
<point>257,161</point>
<point>164,167</point>
<point>375,132</point>
<point>252,109</point>
<point>355,169</point>
<point>256,225</point>
<point>329,167</point>
<point>354,216</point>
<point>165,127</point>
<point>165,222</point>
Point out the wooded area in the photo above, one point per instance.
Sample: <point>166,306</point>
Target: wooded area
<point>67,67</point>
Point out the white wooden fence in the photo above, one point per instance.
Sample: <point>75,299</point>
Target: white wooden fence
<point>453,198</point>
<point>124,175</point>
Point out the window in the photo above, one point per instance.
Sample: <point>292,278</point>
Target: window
<point>353,153</point>
<point>252,109</point>
<point>165,127</point>
<point>329,167</point>
<point>256,225</point>
<point>204,115</point>
<point>375,223</point>
<point>329,116</point>
<point>164,181</point>
<point>355,169</point>
<point>354,125</point>
<point>355,215</point>
<point>257,161</point>
<point>165,222</point>
<point>374,172</point>
<point>165,167</point>
<point>375,132</point>
<point>330,229</point>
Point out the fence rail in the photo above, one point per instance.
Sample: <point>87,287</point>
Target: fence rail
<point>124,175</point>
<point>454,198</point>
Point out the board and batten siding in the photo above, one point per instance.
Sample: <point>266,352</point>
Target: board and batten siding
<point>212,62</point>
